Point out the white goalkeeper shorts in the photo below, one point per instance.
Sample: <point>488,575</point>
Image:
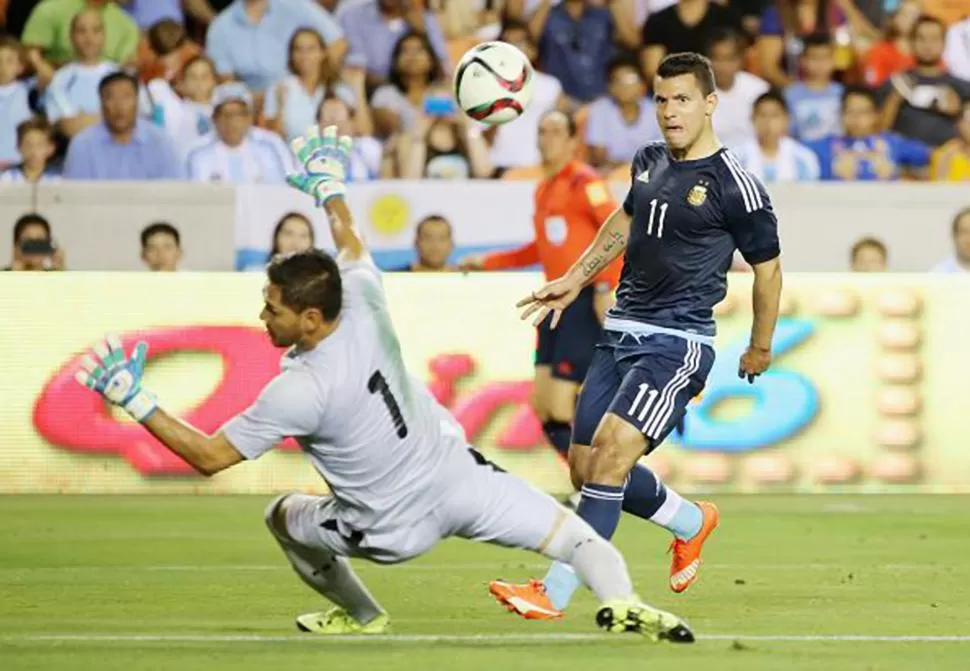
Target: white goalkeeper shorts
<point>481,503</point>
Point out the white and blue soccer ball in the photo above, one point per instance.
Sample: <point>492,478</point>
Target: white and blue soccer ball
<point>493,83</point>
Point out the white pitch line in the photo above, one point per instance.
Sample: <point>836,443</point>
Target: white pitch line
<point>511,566</point>
<point>452,638</point>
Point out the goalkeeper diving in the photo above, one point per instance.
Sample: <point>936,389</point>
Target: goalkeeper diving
<point>401,473</point>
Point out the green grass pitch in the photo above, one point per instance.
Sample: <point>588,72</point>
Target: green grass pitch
<point>196,583</point>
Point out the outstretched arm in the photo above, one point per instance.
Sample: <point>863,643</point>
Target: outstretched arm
<point>609,243</point>
<point>325,159</point>
<point>109,372</point>
<point>556,296</point>
<point>350,245</point>
<point>206,454</point>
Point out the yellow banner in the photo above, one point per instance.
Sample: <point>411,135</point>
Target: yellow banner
<point>867,391</point>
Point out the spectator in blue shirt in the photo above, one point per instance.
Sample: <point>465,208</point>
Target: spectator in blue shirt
<point>237,152</point>
<point>863,153</point>
<point>35,140</point>
<point>772,156</point>
<point>620,122</point>
<point>373,27</point>
<point>14,99</point>
<point>121,147</point>
<point>72,100</point>
<point>147,13</point>
<point>815,101</point>
<point>575,45</point>
<point>249,39</point>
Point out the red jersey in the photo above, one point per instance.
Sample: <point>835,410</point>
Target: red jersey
<point>569,210</point>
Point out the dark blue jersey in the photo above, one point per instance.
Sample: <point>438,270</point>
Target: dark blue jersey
<point>688,218</point>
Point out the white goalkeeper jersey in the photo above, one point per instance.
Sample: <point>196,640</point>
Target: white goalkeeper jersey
<point>375,433</point>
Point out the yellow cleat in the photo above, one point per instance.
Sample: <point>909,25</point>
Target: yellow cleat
<point>637,618</point>
<point>339,621</point>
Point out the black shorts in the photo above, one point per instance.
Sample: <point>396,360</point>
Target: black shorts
<point>568,349</point>
<point>647,380</point>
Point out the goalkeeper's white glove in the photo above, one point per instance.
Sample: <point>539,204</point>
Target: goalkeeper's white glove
<point>325,159</point>
<point>116,377</point>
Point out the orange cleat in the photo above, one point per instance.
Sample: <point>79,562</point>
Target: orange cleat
<point>529,600</point>
<point>687,554</point>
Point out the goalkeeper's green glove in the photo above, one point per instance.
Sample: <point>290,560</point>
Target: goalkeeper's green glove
<point>325,159</point>
<point>118,378</point>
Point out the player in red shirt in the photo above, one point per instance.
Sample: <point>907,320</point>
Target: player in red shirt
<point>571,203</point>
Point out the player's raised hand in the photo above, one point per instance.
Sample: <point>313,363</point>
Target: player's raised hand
<point>325,159</point>
<point>754,362</point>
<point>553,298</point>
<point>108,371</point>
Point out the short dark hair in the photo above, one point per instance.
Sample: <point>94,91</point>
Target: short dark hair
<point>157,228</point>
<point>688,63</point>
<point>956,219</point>
<point>36,123</point>
<point>30,219</point>
<point>428,219</point>
<point>620,62</point>
<point>165,36</point>
<point>721,35</point>
<point>927,18</point>
<point>309,279</point>
<point>771,95</point>
<point>817,39</point>
<point>862,243</point>
<point>858,91</point>
<point>571,126</point>
<point>119,76</point>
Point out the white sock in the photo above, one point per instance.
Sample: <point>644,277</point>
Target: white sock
<point>597,563</point>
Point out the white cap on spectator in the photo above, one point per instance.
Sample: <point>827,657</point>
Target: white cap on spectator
<point>233,91</point>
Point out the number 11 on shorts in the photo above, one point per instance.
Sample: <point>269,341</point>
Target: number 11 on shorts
<point>647,397</point>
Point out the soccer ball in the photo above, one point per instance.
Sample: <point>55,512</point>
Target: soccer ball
<point>493,83</point>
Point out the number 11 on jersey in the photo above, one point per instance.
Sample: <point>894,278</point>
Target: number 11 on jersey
<point>646,395</point>
<point>660,220</point>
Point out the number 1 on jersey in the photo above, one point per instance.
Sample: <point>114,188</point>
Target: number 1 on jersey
<point>377,384</point>
<point>660,221</point>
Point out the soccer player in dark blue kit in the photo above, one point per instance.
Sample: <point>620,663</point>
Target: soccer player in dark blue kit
<point>689,207</point>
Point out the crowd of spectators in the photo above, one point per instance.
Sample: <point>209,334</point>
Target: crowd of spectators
<point>213,90</point>
<point>210,90</point>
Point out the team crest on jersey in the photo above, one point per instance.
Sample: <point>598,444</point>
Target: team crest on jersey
<point>697,194</point>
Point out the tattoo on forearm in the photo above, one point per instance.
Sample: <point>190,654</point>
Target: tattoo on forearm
<point>592,265</point>
<point>595,263</point>
<point>616,238</point>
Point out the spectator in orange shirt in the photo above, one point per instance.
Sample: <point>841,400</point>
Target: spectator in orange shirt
<point>571,204</point>
<point>165,51</point>
<point>894,53</point>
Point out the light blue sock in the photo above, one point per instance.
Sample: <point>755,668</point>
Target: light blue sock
<point>679,516</point>
<point>561,583</point>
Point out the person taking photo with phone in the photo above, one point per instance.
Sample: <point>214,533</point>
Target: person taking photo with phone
<point>33,246</point>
